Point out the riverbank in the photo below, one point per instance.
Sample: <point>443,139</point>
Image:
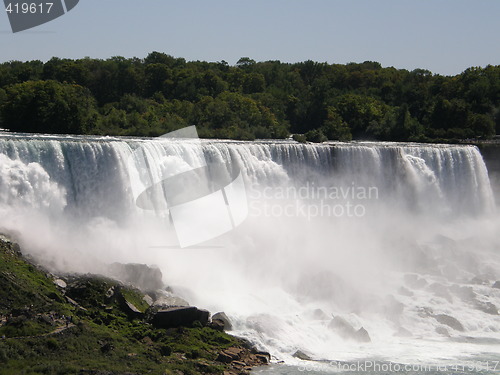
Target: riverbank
<point>89,324</point>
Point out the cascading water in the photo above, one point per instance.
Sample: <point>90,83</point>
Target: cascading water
<point>398,239</point>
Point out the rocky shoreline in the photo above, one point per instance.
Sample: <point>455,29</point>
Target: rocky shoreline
<point>90,324</point>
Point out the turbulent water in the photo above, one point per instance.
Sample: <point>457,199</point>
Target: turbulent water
<point>399,239</point>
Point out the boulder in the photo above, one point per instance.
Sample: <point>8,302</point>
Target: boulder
<point>60,283</point>
<point>221,316</point>
<point>345,330</point>
<point>165,299</point>
<point>486,307</point>
<point>301,355</point>
<point>342,327</point>
<point>362,335</point>
<point>319,314</point>
<point>449,321</point>
<point>148,300</point>
<point>442,331</point>
<point>496,285</point>
<point>179,317</point>
<point>141,276</point>
<point>217,324</point>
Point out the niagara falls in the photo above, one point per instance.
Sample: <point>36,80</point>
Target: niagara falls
<point>415,272</point>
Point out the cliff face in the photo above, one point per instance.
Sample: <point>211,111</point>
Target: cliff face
<point>88,324</point>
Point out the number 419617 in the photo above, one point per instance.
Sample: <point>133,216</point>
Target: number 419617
<point>32,8</point>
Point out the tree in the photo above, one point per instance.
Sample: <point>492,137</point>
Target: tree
<point>335,128</point>
<point>49,107</point>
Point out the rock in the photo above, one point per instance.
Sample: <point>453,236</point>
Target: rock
<point>60,283</point>
<point>301,355</point>
<point>239,364</point>
<point>449,321</point>
<point>262,358</point>
<point>486,307</point>
<point>142,276</point>
<point>340,326</point>
<point>225,320</point>
<point>229,355</point>
<point>130,309</point>
<point>362,335</point>
<point>165,299</point>
<point>217,324</point>
<point>148,300</point>
<point>224,358</point>
<point>442,331</point>
<point>496,285</point>
<point>110,293</point>
<point>319,314</point>
<point>179,317</point>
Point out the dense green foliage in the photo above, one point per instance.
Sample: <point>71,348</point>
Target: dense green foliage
<point>158,94</point>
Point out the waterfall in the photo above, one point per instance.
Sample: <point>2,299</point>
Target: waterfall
<point>384,235</point>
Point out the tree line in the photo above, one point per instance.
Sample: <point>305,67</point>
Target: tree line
<point>271,99</point>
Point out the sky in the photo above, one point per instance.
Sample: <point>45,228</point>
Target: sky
<point>443,36</point>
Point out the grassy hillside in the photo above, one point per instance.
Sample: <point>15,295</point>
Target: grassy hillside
<point>102,336</point>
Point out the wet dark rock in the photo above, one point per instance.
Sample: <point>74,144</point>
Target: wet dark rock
<point>449,321</point>
<point>301,355</point>
<point>217,324</point>
<point>263,358</point>
<point>221,316</point>
<point>179,317</point>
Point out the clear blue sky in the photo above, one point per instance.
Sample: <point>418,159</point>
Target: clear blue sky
<point>444,36</point>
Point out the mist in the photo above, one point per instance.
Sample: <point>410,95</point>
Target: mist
<point>384,236</point>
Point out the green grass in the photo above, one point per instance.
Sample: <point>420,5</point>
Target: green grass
<point>104,337</point>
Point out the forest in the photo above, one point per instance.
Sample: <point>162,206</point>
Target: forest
<point>310,101</point>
